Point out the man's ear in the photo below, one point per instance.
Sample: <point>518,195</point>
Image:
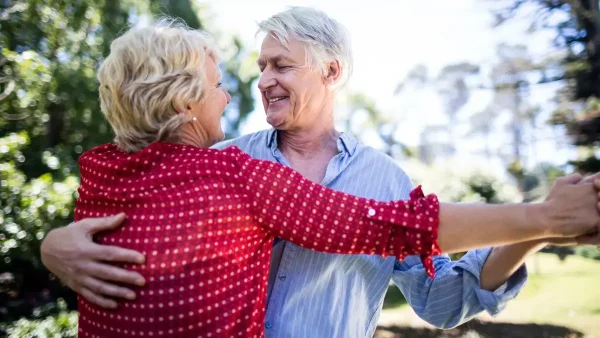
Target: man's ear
<point>333,72</point>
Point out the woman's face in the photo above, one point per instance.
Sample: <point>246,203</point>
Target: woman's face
<point>209,110</point>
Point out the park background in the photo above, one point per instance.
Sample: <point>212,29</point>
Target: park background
<point>485,100</point>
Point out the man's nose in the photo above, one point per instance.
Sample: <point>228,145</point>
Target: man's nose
<point>266,80</point>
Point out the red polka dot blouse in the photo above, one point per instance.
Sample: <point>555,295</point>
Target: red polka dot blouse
<point>206,219</point>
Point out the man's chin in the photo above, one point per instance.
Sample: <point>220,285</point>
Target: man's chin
<point>276,120</point>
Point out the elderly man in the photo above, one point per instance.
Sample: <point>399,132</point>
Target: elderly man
<point>304,57</point>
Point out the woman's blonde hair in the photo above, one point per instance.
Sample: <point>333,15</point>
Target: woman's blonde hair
<point>150,75</point>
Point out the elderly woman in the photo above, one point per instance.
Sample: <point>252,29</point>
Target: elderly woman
<point>205,219</point>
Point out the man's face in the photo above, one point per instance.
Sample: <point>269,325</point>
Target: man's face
<point>292,93</point>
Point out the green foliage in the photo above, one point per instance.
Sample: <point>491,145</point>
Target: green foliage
<point>240,75</point>
<point>577,27</point>
<point>485,187</point>
<point>61,325</point>
<point>28,210</point>
<point>591,252</point>
<point>364,114</point>
<point>50,50</point>
<point>49,114</point>
<point>64,325</point>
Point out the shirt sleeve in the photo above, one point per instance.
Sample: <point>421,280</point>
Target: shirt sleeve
<point>457,283</point>
<point>455,295</point>
<point>307,214</point>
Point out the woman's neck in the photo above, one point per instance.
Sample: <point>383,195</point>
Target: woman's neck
<point>194,135</point>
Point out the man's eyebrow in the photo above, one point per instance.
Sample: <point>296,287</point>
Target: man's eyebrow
<point>274,59</point>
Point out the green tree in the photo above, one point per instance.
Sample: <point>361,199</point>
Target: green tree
<point>49,114</point>
<point>29,209</point>
<point>363,115</point>
<point>577,27</point>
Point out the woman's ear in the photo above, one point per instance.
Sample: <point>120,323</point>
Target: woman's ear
<point>334,71</point>
<point>177,107</point>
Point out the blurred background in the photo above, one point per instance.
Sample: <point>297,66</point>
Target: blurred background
<point>483,100</point>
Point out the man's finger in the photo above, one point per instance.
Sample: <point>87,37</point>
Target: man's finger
<point>108,272</point>
<point>99,300</point>
<point>569,179</point>
<point>597,184</point>
<point>117,254</point>
<point>104,288</point>
<point>590,178</point>
<point>95,225</point>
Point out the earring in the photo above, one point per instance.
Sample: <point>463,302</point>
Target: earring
<point>194,118</point>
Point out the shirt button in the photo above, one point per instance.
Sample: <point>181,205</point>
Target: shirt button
<point>268,325</point>
<point>282,278</point>
<point>371,212</point>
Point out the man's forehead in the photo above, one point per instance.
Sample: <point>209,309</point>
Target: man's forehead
<point>275,51</point>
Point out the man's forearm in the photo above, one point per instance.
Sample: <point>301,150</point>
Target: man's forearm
<point>504,261</point>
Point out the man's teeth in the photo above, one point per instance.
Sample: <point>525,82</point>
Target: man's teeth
<point>275,99</point>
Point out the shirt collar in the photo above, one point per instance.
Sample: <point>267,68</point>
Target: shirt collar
<point>272,139</point>
<point>346,141</point>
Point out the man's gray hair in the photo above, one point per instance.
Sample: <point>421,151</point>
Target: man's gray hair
<point>325,39</point>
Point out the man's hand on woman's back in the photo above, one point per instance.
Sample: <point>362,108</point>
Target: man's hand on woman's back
<point>86,267</point>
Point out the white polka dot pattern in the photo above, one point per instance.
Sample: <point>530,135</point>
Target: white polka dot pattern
<point>206,219</point>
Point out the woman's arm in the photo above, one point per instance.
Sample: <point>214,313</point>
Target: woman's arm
<point>307,214</point>
<point>569,210</point>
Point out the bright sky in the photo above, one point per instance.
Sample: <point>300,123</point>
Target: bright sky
<point>389,38</point>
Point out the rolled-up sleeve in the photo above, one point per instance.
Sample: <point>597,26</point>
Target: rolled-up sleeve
<point>455,295</point>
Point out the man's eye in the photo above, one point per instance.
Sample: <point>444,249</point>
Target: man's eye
<point>219,84</point>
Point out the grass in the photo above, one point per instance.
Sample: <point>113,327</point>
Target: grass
<point>393,298</point>
<point>560,293</point>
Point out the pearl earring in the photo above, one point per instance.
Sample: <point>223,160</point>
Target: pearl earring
<point>194,118</point>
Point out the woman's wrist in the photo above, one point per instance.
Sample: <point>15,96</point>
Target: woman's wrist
<point>539,217</point>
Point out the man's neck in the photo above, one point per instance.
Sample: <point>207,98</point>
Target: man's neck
<point>309,151</point>
<point>308,143</point>
<point>311,140</point>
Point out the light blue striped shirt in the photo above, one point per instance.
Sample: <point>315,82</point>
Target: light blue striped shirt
<point>316,294</point>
